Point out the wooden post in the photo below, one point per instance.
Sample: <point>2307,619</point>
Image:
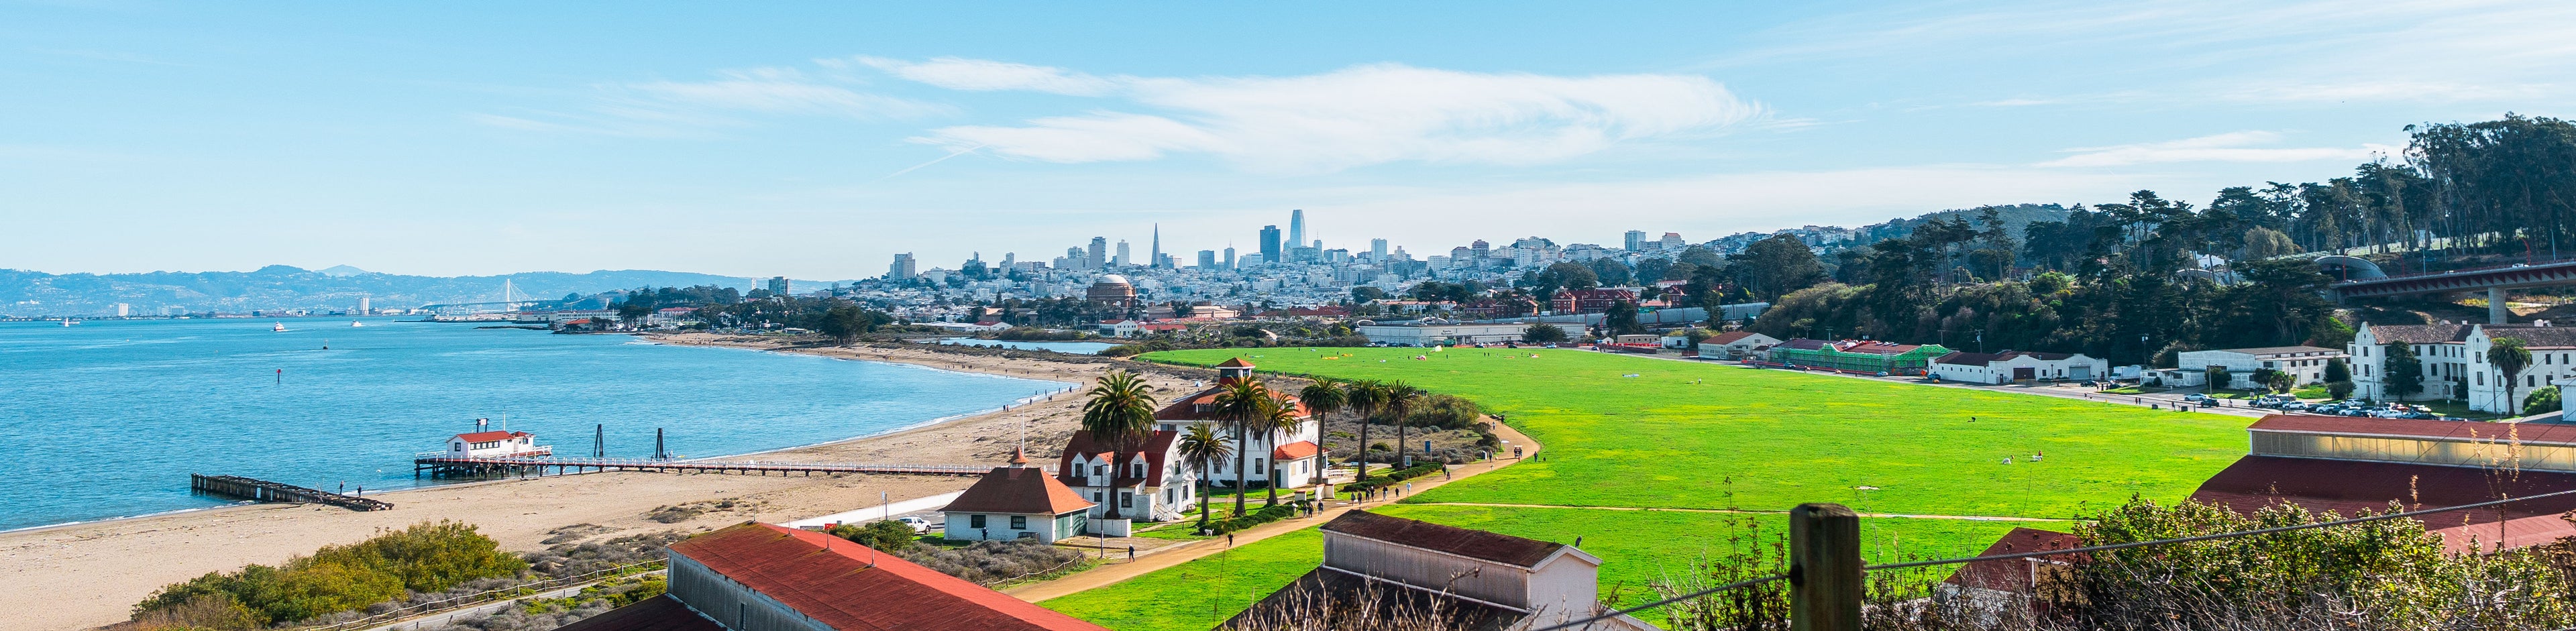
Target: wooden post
<point>1825,579</point>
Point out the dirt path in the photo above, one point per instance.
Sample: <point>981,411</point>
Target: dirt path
<point>1168,556</point>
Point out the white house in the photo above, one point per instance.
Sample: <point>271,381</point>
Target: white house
<point>1147,483</point>
<point>1119,328</point>
<point>2490,390</point>
<point>2012,366</point>
<point>1735,345</point>
<point>2306,364</point>
<point>2441,351</point>
<point>1016,502</point>
<point>1288,458</point>
<point>496,445</point>
<point>1487,580</point>
<point>1435,331</point>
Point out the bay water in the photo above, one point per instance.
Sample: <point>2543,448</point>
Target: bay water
<point>107,418</point>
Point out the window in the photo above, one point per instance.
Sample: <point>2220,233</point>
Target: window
<point>2530,380</point>
<point>1019,522</point>
<point>1097,470</point>
<point>1126,500</point>
<point>974,521</point>
<point>1095,497</point>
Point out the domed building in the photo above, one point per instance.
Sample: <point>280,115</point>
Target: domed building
<point>1112,291</point>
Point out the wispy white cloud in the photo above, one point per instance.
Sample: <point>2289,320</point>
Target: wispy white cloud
<point>1362,115</point>
<point>957,73</point>
<point>2228,147</point>
<point>666,108</point>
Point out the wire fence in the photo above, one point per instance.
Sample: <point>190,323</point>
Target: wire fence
<point>453,603</point>
<point>1794,571</point>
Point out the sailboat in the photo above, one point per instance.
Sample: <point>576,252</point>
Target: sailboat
<point>280,327</point>
<point>355,324</point>
<point>68,322</point>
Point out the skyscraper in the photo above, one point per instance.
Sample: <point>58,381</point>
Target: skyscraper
<point>778,285</point>
<point>1229,257</point>
<point>901,268</point>
<point>1480,248</point>
<point>1269,244</point>
<point>1123,259</point>
<point>1636,240</point>
<point>1377,248</point>
<point>1099,253</point>
<point>1296,228</point>
<point>1207,259</point>
<point>1157,260</point>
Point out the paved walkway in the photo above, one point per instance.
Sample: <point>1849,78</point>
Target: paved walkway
<point>1732,511</point>
<point>442,619</point>
<point>1119,569</point>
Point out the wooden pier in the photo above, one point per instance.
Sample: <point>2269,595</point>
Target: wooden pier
<point>266,491</point>
<point>449,467</point>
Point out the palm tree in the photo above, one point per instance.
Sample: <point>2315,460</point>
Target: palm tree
<point>1200,448</point>
<point>1236,406</point>
<point>1278,414</point>
<point>1120,412</point>
<point>1362,398</point>
<point>2508,356</point>
<point>1398,406</point>
<point>1321,398</point>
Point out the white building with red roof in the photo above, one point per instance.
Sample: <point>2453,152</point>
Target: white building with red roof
<point>1144,482</point>
<point>496,444</point>
<point>1289,457</point>
<point>1736,345</point>
<point>1016,502</point>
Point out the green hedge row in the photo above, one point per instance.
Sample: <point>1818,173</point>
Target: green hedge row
<point>1267,514</point>
<point>1392,477</point>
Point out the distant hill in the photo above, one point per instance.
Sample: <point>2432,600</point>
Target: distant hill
<point>281,287</point>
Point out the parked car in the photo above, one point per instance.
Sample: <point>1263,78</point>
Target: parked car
<point>918,524</point>
<point>2295,406</point>
<point>2090,383</point>
<point>2195,397</point>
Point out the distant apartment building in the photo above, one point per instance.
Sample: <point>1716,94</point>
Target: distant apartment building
<point>778,285</point>
<point>1207,259</point>
<point>1636,240</point>
<point>902,268</point>
<point>1377,248</point>
<point>1270,244</point>
<point>1099,254</point>
<point>1673,242</point>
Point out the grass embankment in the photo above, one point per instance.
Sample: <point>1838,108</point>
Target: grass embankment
<point>1628,432</point>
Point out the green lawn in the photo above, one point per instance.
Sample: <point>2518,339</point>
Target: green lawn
<point>1636,548</point>
<point>1691,435</point>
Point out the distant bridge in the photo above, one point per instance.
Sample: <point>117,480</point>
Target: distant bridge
<point>2362,279</point>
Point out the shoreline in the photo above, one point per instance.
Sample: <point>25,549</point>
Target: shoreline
<point>119,561</point>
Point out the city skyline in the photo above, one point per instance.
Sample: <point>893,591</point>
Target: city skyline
<point>211,137</point>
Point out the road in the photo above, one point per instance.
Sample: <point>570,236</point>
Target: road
<point>441,620</point>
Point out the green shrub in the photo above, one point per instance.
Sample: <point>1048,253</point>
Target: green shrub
<point>2339,389</point>
<point>427,557</point>
<point>886,535</point>
<point>2542,401</point>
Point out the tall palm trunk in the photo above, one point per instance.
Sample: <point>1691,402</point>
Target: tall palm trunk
<point>1364,447</point>
<point>1242,442</point>
<point>1403,449</point>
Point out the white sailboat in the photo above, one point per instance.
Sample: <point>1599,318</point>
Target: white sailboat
<point>68,322</point>
<point>355,324</point>
<point>280,327</point>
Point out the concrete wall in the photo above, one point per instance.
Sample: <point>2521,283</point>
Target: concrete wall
<point>1482,580</point>
<point>2417,450</point>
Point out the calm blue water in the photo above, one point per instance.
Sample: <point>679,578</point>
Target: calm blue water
<point>1071,348</point>
<point>107,419</point>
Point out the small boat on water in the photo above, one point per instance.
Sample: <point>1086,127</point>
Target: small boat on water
<point>280,327</point>
<point>68,322</point>
<point>355,324</point>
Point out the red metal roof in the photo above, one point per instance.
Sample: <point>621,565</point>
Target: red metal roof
<point>2016,575</point>
<point>1473,544</point>
<point>1021,490</point>
<point>489,437</point>
<point>2351,487</point>
<point>2526,433</point>
<point>1726,338</point>
<point>845,585</point>
<point>1295,450</point>
<point>659,613</point>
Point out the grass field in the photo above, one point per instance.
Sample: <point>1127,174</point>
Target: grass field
<point>1630,432</point>
<point>1639,432</point>
<point>1636,548</point>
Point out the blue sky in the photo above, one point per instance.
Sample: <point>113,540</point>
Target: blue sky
<point>816,140</point>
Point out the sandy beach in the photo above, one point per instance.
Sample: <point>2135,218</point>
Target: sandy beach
<point>97,571</point>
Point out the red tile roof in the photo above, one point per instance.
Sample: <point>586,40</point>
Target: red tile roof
<point>845,585</point>
<point>489,437</point>
<point>1023,490</point>
<point>1726,338</point>
<point>1295,450</point>
<point>1473,544</point>
<point>1234,362</point>
<point>1155,451</point>
<point>2526,433</point>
